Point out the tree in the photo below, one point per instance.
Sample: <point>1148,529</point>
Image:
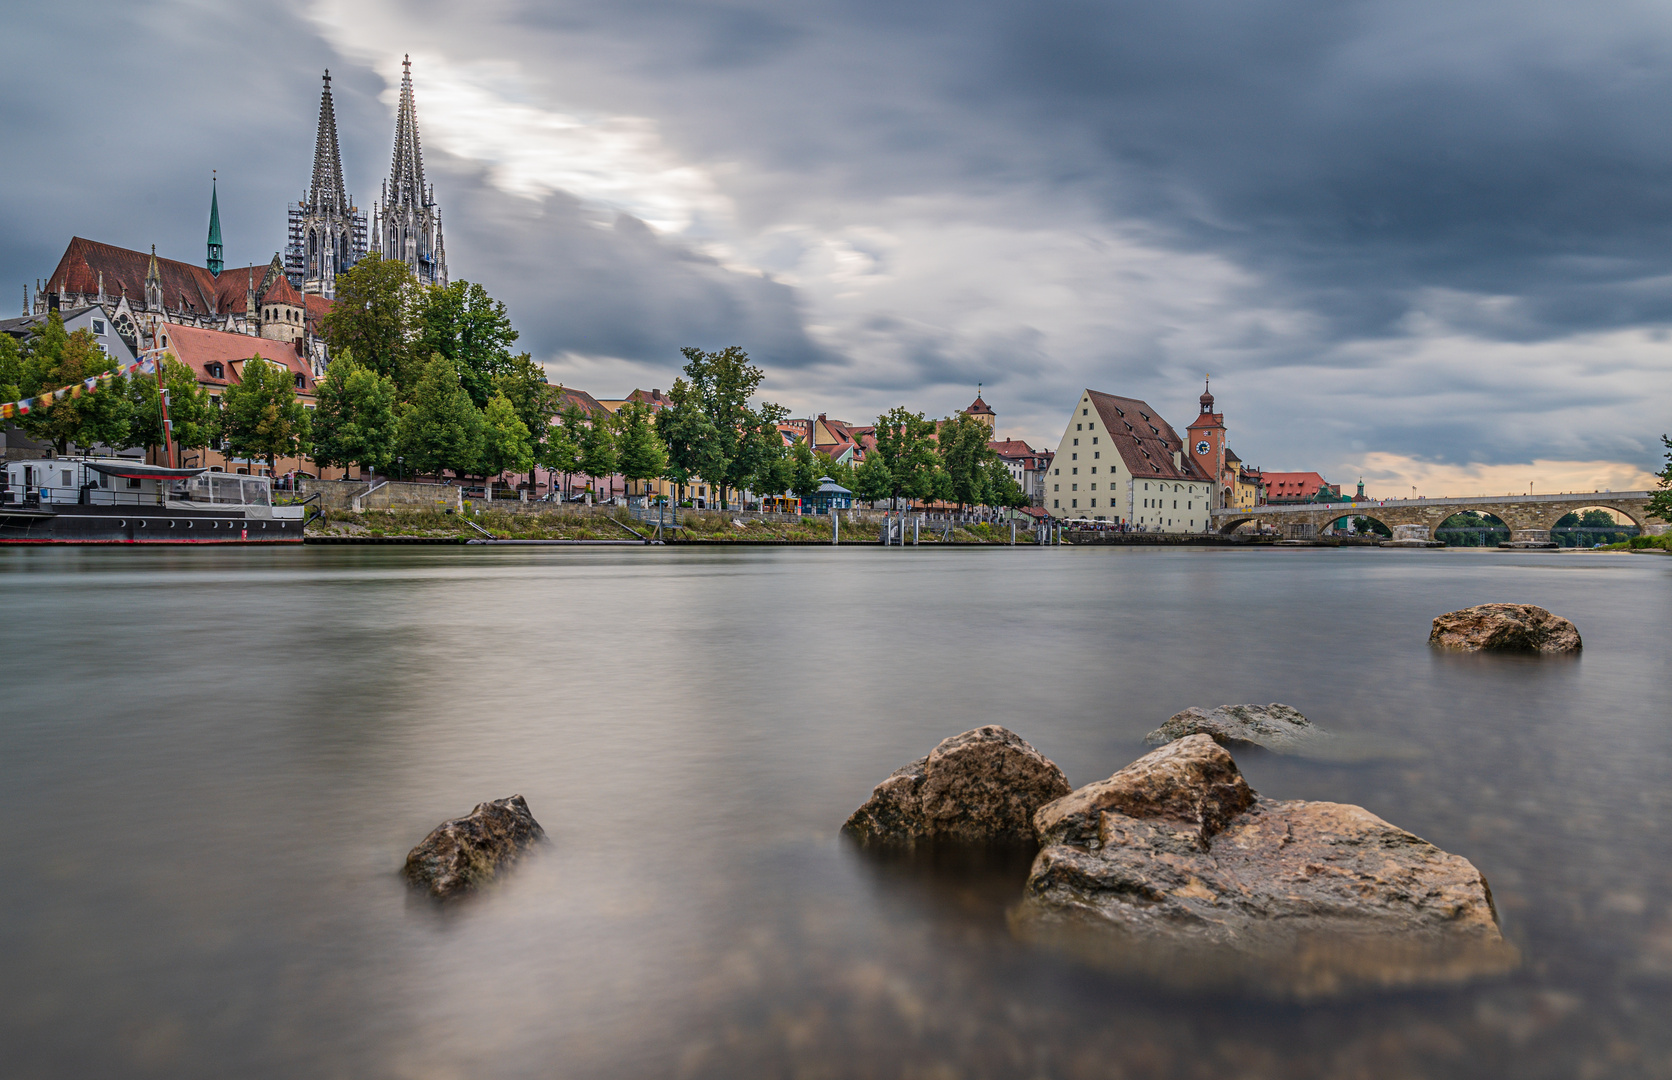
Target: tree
<point>1660,503</point>
<point>966,457</point>
<point>873,481</point>
<point>52,360</point>
<point>506,446</point>
<point>805,470</point>
<point>11,369</point>
<point>535,399</point>
<point>191,415</point>
<point>467,326</point>
<point>1002,488</point>
<point>597,444</point>
<point>641,455</point>
<point>355,422</point>
<point>709,428</point>
<point>561,452</point>
<point>839,471</point>
<point>260,416</point>
<point>373,317</point>
<point>689,436</point>
<point>905,447</point>
<point>440,428</point>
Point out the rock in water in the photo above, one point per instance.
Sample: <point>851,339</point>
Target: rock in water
<point>462,854</point>
<point>1175,867</point>
<point>979,787</point>
<point>1275,727</point>
<point>1504,627</point>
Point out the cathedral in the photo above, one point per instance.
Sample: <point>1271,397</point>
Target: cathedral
<point>285,299</point>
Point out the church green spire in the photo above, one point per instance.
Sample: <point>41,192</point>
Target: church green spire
<point>215,262</point>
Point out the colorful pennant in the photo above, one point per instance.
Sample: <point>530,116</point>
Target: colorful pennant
<point>8,410</point>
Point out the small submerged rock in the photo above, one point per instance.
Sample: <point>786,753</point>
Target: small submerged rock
<point>1175,866</point>
<point>1275,727</point>
<point>979,787</point>
<point>1505,628</point>
<point>465,853</point>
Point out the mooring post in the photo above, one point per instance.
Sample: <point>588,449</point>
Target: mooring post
<point>835,526</point>
<point>916,528</point>
<point>1012,534</point>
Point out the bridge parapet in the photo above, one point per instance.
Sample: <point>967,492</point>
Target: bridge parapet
<point>1521,513</point>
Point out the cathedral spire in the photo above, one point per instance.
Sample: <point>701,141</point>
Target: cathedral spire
<point>406,170</point>
<point>327,193</point>
<point>407,223</point>
<point>215,262</point>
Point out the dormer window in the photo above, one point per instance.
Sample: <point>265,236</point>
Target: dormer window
<point>216,371</point>
<point>299,381</point>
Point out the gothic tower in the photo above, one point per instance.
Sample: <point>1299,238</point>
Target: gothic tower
<point>1207,448</point>
<point>327,231</point>
<point>406,223</point>
<point>215,262</point>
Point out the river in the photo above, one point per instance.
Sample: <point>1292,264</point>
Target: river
<point>212,764</point>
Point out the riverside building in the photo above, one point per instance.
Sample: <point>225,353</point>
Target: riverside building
<point>1120,462</point>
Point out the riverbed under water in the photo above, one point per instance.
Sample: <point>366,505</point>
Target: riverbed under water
<point>213,762</point>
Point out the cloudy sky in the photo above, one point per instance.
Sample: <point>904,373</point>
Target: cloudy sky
<point>1429,243</point>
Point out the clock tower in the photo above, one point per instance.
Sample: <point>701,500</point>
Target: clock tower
<point>1207,447</point>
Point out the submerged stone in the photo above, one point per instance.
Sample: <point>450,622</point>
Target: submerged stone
<point>465,853</point>
<point>1275,727</point>
<point>982,786</point>
<point>1506,628</point>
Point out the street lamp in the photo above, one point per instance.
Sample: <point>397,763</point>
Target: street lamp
<point>400,467</point>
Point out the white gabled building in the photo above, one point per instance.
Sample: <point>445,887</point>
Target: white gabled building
<point>1120,462</point>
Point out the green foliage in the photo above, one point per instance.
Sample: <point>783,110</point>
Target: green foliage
<point>561,450</point>
<point>260,416</point>
<point>374,316</point>
<point>710,430</point>
<point>804,469</point>
<point>440,428</point>
<point>355,421</point>
<point>1002,488</point>
<point>905,445</point>
<point>597,446</point>
<point>463,323</point>
<point>640,453</point>
<point>1660,503</point>
<point>190,412</point>
<point>506,446</point>
<point>536,400</point>
<point>966,458</point>
<point>52,359</point>
<point>11,369</point>
<point>873,481</point>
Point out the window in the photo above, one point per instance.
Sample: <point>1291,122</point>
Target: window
<point>1056,487</point>
<point>1074,503</point>
<point>1078,427</point>
<point>1094,440</point>
<point>300,381</point>
<point>133,482</point>
<point>215,372</point>
<point>1085,412</point>
<point>1056,504</point>
<point>1056,472</point>
<point>1096,453</point>
<point>1094,488</point>
<point>98,326</point>
<point>1074,471</point>
<point>1094,470</point>
<point>1073,487</point>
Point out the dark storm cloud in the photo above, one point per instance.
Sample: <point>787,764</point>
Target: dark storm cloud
<point>1377,174</point>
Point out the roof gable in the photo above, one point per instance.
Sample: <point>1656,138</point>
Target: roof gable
<point>1145,441</point>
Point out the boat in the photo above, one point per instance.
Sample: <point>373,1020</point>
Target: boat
<point>107,500</point>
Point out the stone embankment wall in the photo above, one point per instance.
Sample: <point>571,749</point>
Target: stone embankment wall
<point>381,495</point>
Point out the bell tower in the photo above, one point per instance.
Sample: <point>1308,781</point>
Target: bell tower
<point>1207,447</point>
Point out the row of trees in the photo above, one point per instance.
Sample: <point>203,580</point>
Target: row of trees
<point>424,378</point>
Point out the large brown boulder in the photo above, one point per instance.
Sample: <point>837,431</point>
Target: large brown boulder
<point>1174,866</point>
<point>980,787</point>
<point>1192,785</point>
<point>1504,627</point>
<point>467,852</point>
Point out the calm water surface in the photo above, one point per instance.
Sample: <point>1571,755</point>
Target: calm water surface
<point>212,764</point>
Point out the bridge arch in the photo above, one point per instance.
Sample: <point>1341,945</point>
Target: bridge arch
<point>1378,527</point>
<point>1585,533</point>
<point>1631,512</point>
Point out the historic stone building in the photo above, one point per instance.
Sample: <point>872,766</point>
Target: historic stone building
<point>327,232</point>
<point>406,224</point>
<point>1120,462</point>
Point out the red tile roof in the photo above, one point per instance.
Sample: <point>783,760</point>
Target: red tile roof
<point>1146,442</point>
<point>979,408</point>
<point>198,348</point>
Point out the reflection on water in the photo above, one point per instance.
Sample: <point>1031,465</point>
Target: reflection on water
<point>214,762</point>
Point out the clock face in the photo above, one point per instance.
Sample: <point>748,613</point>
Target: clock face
<point>1202,447</point>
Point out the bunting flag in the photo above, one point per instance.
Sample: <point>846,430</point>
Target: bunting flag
<point>8,410</point>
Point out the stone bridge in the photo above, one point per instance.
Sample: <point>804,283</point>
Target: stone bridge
<point>1529,517</point>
